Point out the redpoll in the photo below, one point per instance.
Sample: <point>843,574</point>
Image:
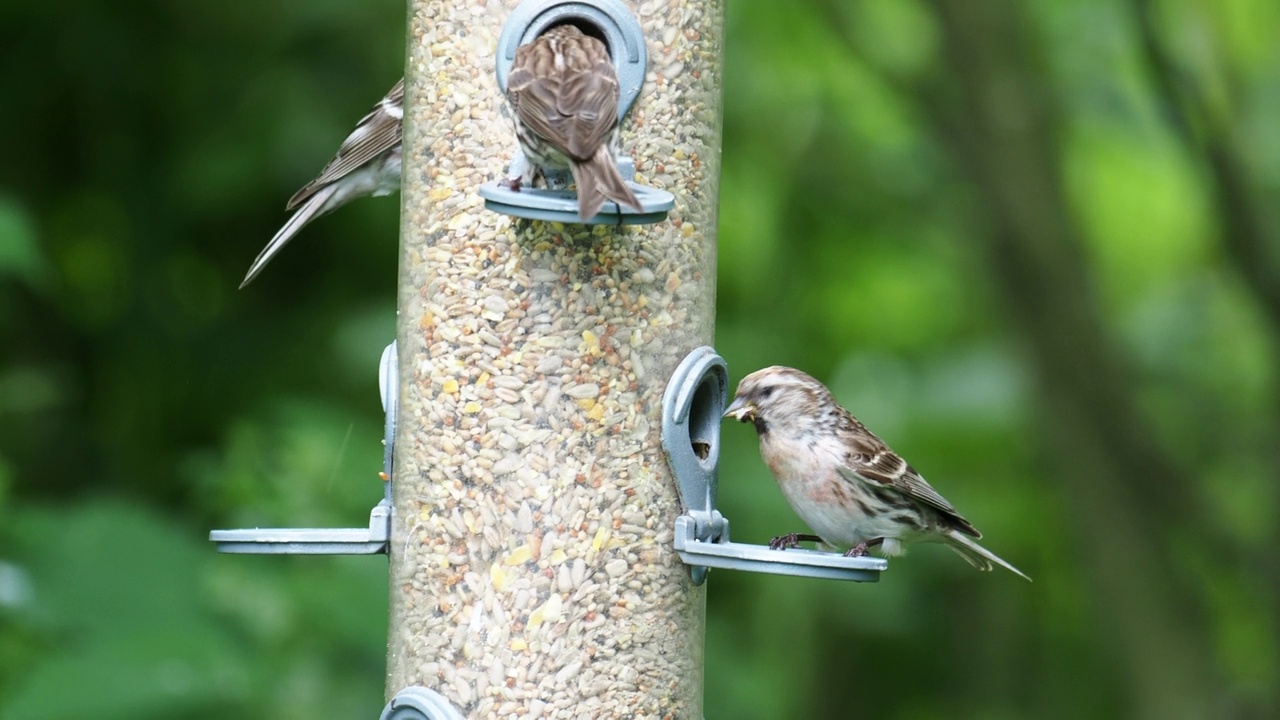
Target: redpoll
<point>367,163</point>
<point>564,90</point>
<point>843,480</point>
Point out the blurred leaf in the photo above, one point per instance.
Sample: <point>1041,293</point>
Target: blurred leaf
<point>30,389</point>
<point>20,254</point>
<point>149,672</point>
<point>902,35</point>
<point>118,592</point>
<point>90,238</point>
<point>6,482</point>
<point>79,575</point>
<point>1146,218</point>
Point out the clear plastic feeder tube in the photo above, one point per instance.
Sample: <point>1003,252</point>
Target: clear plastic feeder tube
<point>533,572</point>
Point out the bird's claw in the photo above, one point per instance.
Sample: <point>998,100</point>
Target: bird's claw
<point>791,540</point>
<point>782,542</point>
<point>861,548</point>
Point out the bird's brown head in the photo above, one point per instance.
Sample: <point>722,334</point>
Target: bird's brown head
<point>779,397</point>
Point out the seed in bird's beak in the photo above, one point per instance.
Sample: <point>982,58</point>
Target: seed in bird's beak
<point>740,410</point>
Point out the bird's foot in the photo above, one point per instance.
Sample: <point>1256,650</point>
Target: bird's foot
<point>791,540</point>
<point>860,549</point>
<point>512,183</point>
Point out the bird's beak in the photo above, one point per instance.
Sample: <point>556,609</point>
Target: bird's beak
<point>741,410</point>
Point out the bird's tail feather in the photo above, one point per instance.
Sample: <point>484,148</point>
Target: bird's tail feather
<point>313,208</point>
<point>598,180</point>
<point>976,555</point>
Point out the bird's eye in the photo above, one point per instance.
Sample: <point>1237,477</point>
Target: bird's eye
<point>766,392</point>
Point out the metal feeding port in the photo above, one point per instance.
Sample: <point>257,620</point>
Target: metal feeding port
<point>371,540</point>
<point>559,204</point>
<point>691,410</point>
<point>612,22</point>
<point>310,541</point>
<point>419,703</point>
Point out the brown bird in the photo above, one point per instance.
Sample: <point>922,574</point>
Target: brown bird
<point>564,90</point>
<point>367,163</point>
<point>843,480</point>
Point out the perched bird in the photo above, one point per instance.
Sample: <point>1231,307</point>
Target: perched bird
<point>367,163</point>
<point>840,478</point>
<point>564,91</point>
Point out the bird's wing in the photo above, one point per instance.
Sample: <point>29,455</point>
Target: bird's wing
<point>573,107</point>
<point>536,103</point>
<point>872,460</point>
<point>589,101</point>
<point>376,133</point>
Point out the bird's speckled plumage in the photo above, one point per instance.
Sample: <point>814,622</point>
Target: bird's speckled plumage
<point>841,479</point>
<point>367,163</point>
<point>563,88</point>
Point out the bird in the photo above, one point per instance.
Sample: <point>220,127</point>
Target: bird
<point>367,164</point>
<point>842,480</point>
<point>563,90</point>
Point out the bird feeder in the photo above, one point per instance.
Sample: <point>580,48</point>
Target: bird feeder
<point>533,569</point>
<point>553,405</point>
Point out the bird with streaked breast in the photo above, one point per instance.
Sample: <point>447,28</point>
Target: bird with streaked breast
<point>842,480</point>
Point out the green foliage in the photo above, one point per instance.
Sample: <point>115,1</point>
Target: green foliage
<point>127,615</point>
<point>20,256</point>
<point>864,203</point>
<point>133,640</point>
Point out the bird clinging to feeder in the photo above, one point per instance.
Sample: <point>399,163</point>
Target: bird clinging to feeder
<point>563,88</point>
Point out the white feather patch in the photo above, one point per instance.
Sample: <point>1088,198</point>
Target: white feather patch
<point>892,547</point>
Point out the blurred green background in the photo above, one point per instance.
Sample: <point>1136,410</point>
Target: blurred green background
<point>1032,245</point>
